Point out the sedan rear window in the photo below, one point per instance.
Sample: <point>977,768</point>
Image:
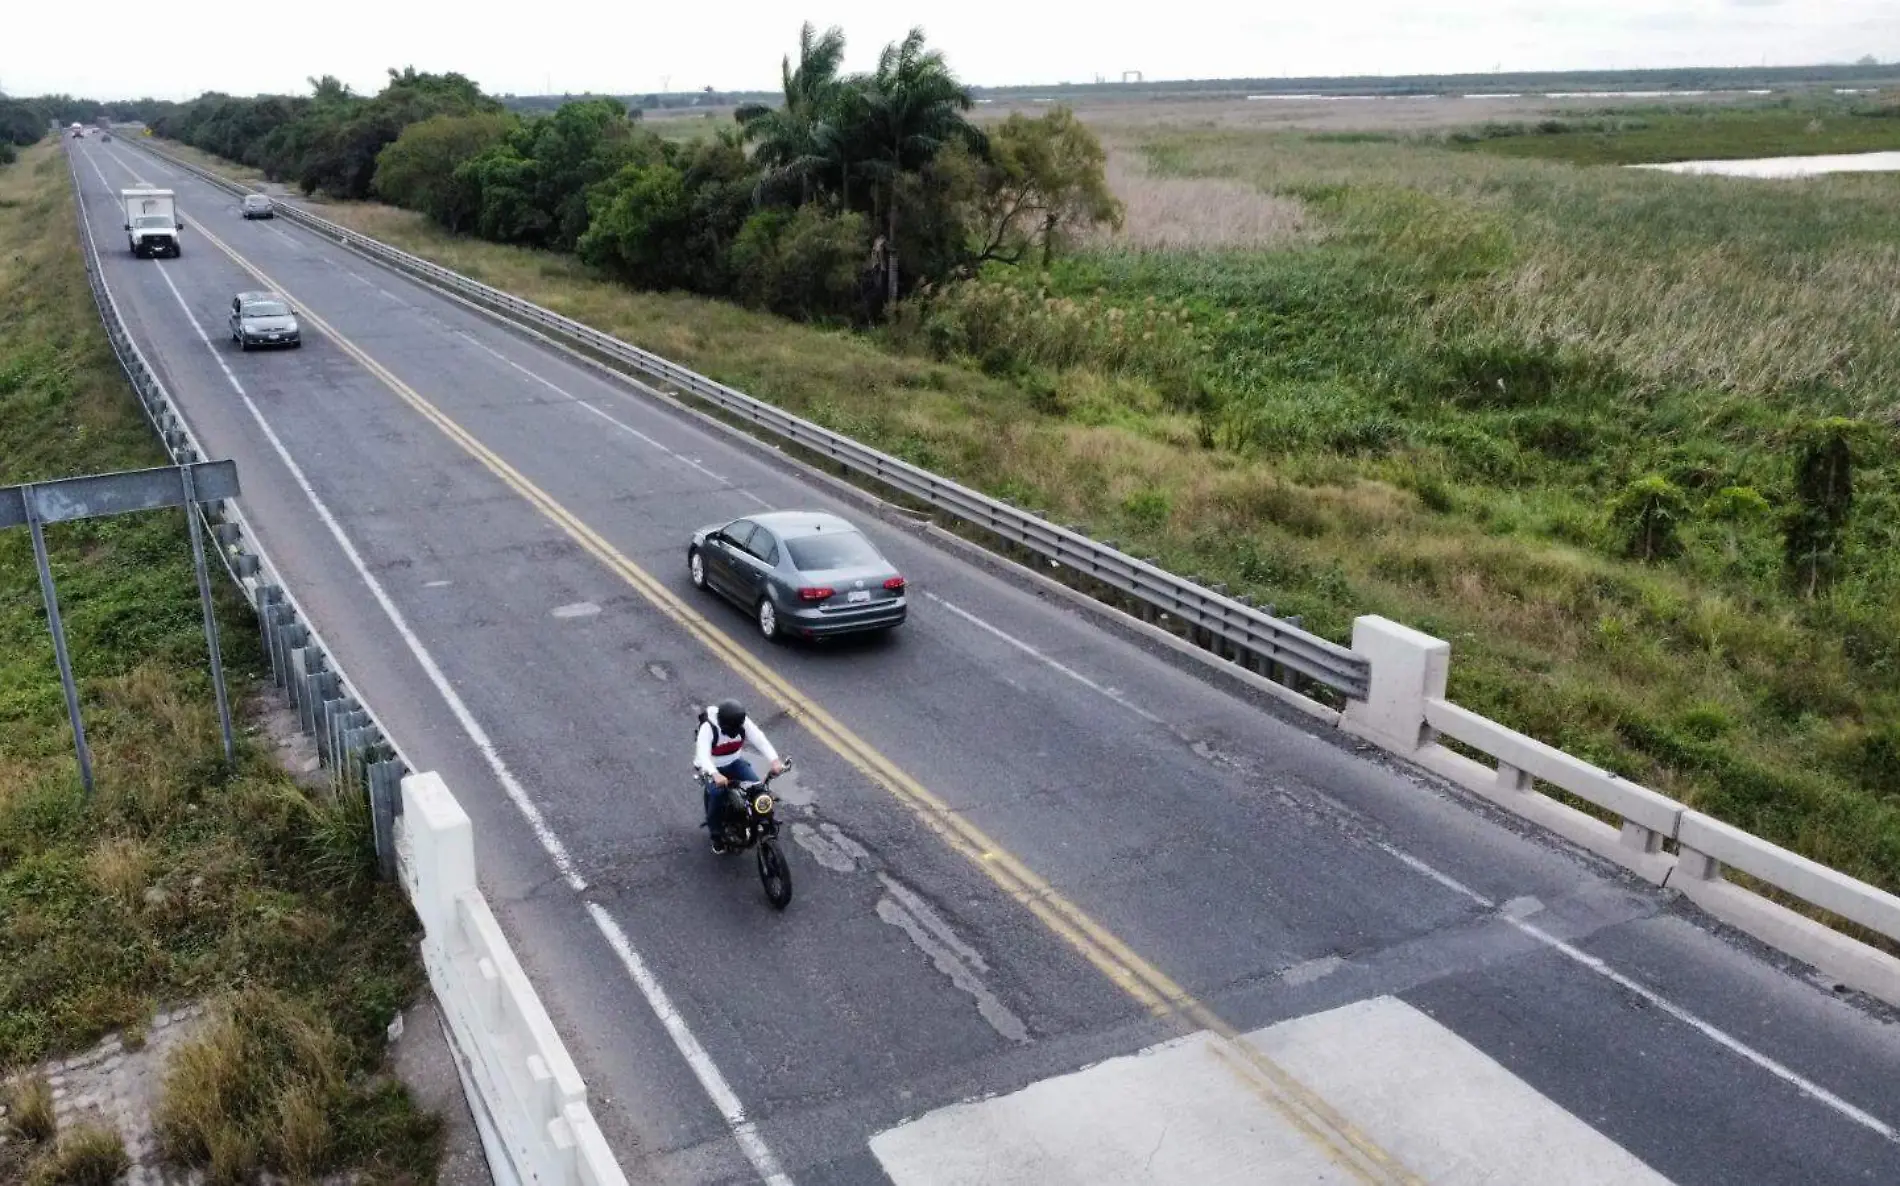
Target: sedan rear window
<point>846,549</point>
<point>265,309</point>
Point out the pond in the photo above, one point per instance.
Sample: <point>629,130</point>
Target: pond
<point>1790,166</point>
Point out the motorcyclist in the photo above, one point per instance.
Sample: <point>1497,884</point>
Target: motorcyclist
<point>719,757</point>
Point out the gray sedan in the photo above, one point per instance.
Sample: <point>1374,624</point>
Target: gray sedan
<point>801,573</point>
<point>263,319</point>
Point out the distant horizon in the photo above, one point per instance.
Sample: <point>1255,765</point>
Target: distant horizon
<point>1811,72</point>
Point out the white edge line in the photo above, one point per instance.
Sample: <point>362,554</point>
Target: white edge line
<point>1707,1029</point>
<point>516,793</point>
<point>703,1067</point>
<point>1449,882</point>
<point>267,567</point>
<point>701,1063</point>
<point>631,431</point>
<point>1052,664</point>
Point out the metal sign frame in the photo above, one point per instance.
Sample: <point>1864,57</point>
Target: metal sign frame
<point>34,504</point>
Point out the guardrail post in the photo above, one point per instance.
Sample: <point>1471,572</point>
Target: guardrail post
<point>1513,781</point>
<point>1642,839</point>
<point>1408,668</point>
<point>1697,866</point>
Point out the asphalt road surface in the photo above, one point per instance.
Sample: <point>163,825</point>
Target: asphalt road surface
<point>1025,848</point>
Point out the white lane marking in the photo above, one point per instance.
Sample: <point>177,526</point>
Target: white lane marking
<point>714,1083</point>
<point>137,179</point>
<point>293,244</point>
<point>704,1069</point>
<point>579,609</point>
<point>515,791</point>
<point>353,274</point>
<point>1708,1030</point>
<point>100,174</point>
<point>1053,665</point>
<point>621,425</point>
<point>1445,879</point>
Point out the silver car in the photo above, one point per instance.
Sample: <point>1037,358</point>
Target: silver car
<point>263,319</point>
<point>803,573</point>
<point>259,206</point>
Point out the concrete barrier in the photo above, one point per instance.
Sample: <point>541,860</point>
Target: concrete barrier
<point>1406,713</point>
<point>1706,845</point>
<point>533,1093</point>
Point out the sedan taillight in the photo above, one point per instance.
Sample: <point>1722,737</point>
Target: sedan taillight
<point>895,584</point>
<point>817,594</point>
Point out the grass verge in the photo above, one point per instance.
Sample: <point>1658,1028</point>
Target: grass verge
<point>1436,403</point>
<point>181,880</point>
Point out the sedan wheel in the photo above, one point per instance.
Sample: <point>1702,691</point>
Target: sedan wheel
<point>768,619</point>
<point>696,565</point>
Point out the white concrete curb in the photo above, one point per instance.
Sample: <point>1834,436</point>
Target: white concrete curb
<point>1405,713</point>
<point>517,1061</point>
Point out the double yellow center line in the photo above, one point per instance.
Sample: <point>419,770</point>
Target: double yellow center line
<point>1142,981</point>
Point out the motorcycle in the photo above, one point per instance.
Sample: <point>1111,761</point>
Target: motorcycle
<point>748,819</point>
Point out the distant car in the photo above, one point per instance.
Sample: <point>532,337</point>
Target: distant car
<point>258,206</point>
<point>263,319</point>
<point>803,573</point>
<point>105,135</point>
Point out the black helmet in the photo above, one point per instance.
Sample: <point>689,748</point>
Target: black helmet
<point>731,717</point>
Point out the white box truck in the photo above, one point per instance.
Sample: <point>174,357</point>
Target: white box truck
<point>151,221</point>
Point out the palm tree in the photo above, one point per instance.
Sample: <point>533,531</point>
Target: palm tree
<point>788,136</point>
<point>904,113</point>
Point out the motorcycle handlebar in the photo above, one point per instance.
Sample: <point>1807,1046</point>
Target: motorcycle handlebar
<point>784,763</point>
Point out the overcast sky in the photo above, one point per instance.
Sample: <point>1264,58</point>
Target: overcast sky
<point>176,48</point>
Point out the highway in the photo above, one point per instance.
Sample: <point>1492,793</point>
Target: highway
<point>1023,844</point>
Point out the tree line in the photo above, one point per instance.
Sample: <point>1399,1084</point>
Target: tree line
<point>848,193</point>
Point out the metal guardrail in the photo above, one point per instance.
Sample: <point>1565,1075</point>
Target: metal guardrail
<point>1227,625</point>
<point>351,742</point>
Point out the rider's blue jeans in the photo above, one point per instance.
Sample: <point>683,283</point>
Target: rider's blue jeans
<point>739,771</point>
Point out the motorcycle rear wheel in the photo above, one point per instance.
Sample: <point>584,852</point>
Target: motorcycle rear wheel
<point>775,874</point>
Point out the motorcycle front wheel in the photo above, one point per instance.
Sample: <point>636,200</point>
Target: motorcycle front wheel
<point>775,873</point>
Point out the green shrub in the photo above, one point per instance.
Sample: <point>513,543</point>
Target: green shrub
<point>1149,508</point>
<point>807,264</point>
<point>1815,529</point>
<point>1647,516</point>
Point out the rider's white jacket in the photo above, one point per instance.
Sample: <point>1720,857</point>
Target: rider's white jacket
<point>728,747</point>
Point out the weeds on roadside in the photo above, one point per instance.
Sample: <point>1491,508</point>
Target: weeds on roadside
<point>180,878</point>
<point>86,1155</point>
<point>269,1086</point>
<point>29,1106</point>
